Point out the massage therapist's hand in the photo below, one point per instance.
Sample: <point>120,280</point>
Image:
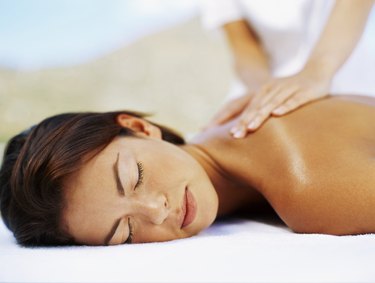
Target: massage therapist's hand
<point>280,96</point>
<point>277,97</point>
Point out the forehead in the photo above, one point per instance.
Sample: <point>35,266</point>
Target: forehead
<point>88,193</point>
<point>96,174</point>
<point>93,172</point>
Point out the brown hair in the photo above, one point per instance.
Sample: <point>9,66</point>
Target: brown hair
<point>37,161</point>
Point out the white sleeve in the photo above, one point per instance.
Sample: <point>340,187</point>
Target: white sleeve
<point>216,13</point>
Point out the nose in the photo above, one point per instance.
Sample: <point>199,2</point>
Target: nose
<point>152,207</point>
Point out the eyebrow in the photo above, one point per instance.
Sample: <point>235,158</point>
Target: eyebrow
<point>119,185</point>
<point>121,191</point>
<point>112,232</point>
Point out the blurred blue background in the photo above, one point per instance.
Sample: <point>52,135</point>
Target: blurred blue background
<point>47,33</point>
<point>101,55</point>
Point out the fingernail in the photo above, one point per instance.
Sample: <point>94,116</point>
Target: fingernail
<point>233,130</point>
<point>238,134</point>
<point>279,111</point>
<point>252,125</point>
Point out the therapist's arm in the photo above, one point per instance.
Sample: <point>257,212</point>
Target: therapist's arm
<point>251,65</point>
<point>341,34</point>
<point>250,59</point>
<point>282,95</point>
<point>279,96</point>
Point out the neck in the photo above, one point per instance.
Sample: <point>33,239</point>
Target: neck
<point>232,194</point>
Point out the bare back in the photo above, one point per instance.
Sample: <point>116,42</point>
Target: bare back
<point>315,166</point>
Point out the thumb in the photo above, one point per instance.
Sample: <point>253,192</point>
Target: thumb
<point>230,110</point>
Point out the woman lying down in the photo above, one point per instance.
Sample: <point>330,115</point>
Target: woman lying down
<point>114,178</point>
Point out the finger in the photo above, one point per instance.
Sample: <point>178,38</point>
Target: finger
<point>274,99</point>
<point>292,103</point>
<point>268,98</point>
<point>271,95</point>
<point>230,110</point>
<point>265,113</point>
<point>261,96</point>
<point>281,98</point>
<point>260,118</point>
<point>251,122</point>
<point>220,118</point>
<point>240,129</point>
<point>251,111</point>
<point>260,112</point>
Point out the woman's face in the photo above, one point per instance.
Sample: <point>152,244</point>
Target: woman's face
<point>138,189</point>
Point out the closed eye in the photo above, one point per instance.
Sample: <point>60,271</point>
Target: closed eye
<point>140,175</point>
<point>129,240</point>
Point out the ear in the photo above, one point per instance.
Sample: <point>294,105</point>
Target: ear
<point>138,125</point>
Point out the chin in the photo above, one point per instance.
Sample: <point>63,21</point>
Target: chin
<point>209,215</point>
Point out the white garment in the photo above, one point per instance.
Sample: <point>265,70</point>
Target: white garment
<point>289,30</point>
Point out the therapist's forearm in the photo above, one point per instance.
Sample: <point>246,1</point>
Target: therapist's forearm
<point>251,61</point>
<point>339,37</point>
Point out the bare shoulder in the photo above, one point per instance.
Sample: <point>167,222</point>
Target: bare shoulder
<point>315,166</point>
<point>338,199</point>
<point>367,100</point>
<point>333,191</point>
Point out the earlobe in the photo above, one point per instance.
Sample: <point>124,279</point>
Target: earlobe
<point>138,125</point>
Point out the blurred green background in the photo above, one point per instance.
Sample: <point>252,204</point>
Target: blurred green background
<point>180,74</point>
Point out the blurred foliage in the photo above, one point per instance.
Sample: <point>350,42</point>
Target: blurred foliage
<point>180,74</point>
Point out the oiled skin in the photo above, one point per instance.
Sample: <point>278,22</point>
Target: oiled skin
<point>315,166</point>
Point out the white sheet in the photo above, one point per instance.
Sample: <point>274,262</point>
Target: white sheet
<point>235,251</point>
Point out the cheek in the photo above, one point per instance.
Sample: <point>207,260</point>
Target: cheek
<point>171,165</point>
<point>155,233</point>
<point>167,177</point>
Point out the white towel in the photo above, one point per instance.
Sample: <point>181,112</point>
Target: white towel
<point>229,251</point>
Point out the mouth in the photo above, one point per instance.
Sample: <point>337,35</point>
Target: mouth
<point>189,208</point>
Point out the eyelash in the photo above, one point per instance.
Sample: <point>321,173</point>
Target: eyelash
<point>140,174</point>
<point>129,240</point>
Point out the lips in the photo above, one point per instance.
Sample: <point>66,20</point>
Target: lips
<point>189,208</point>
